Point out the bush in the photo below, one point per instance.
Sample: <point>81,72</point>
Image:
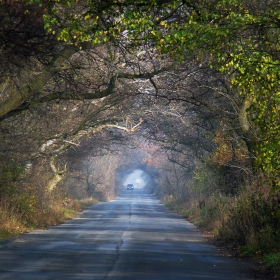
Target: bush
<point>253,221</point>
<point>248,220</point>
<point>24,208</point>
<point>273,261</point>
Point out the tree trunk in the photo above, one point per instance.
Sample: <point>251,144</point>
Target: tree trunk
<point>246,128</point>
<point>17,96</point>
<point>58,176</point>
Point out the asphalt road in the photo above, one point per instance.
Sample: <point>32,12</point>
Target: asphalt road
<point>131,237</point>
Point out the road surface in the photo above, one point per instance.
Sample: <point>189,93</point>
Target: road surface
<point>131,237</point>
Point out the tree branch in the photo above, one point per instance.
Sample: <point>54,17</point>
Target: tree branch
<point>18,97</point>
<point>75,96</point>
<point>143,75</point>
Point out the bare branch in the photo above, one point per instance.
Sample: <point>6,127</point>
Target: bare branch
<point>72,143</point>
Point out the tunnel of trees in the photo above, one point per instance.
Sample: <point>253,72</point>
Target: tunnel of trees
<point>187,91</point>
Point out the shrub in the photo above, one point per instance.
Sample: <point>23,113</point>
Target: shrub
<point>253,221</point>
<point>273,261</point>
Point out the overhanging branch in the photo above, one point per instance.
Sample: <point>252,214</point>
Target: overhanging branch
<point>18,97</point>
<point>76,96</point>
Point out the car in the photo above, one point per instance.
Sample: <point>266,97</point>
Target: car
<point>130,187</point>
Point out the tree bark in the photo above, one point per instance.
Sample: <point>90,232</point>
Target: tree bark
<point>58,175</point>
<point>18,97</point>
<point>246,129</point>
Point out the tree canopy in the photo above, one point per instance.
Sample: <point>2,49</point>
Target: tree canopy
<point>238,38</point>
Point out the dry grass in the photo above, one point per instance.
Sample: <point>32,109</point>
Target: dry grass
<point>15,221</point>
<point>248,220</point>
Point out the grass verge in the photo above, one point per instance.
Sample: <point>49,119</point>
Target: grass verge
<point>247,224</point>
<point>14,222</point>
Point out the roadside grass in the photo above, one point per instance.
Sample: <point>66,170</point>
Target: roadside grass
<point>28,206</point>
<point>273,262</point>
<point>247,223</point>
<point>16,220</point>
<point>85,203</point>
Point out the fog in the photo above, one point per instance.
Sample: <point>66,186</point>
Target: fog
<point>136,178</point>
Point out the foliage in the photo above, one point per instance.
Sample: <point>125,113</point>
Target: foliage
<point>253,222</point>
<point>246,221</point>
<point>242,42</point>
<point>273,261</point>
<point>238,38</point>
<point>205,180</point>
<point>23,208</point>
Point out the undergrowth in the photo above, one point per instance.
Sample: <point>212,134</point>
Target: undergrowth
<point>16,220</point>
<point>22,213</point>
<point>248,221</point>
<point>27,207</point>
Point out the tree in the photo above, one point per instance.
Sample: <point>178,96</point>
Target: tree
<point>237,38</point>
